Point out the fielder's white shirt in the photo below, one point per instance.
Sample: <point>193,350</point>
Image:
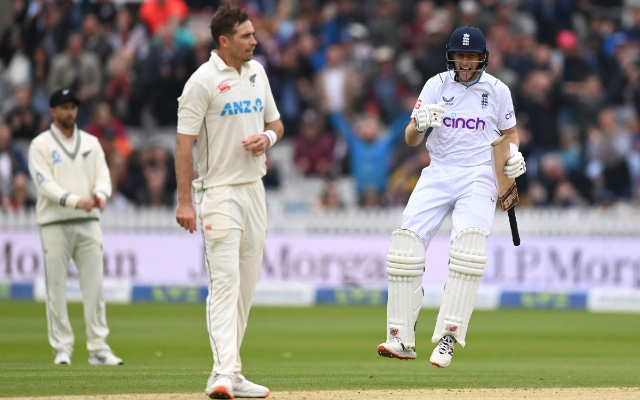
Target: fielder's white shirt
<point>473,117</point>
<point>64,170</point>
<point>222,108</point>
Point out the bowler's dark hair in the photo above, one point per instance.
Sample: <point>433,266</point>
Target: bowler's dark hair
<point>226,20</point>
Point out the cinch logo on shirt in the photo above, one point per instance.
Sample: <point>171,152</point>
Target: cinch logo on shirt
<point>471,123</point>
<point>242,107</point>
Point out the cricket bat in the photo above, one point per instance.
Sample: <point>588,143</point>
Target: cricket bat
<point>507,190</point>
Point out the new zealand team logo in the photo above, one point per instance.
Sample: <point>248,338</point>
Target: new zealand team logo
<point>484,101</point>
<point>252,79</point>
<point>448,102</point>
<point>56,157</point>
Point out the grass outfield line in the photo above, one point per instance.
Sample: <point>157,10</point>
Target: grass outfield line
<point>166,350</point>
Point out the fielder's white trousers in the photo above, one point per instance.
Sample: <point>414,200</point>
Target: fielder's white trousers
<point>82,242</point>
<point>469,193</point>
<point>234,226</point>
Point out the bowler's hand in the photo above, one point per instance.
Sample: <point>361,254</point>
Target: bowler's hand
<point>256,144</point>
<point>99,202</point>
<point>186,217</point>
<point>85,204</point>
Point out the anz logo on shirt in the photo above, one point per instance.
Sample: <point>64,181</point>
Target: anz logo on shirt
<point>242,107</point>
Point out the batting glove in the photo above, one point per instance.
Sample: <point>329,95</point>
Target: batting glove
<point>515,165</point>
<point>429,117</point>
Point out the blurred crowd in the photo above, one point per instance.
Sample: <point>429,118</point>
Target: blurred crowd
<point>345,75</point>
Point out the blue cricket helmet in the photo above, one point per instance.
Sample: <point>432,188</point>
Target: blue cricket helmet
<point>467,39</point>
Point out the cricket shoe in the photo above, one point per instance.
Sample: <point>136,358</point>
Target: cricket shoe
<point>220,388</point>
<point>242,387</point>
<point>442,354</point>
<point>62,357</point>
<point>395,349</point>
<point>104,357</point>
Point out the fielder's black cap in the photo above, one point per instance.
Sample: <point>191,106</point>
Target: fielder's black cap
<point>62,96</point>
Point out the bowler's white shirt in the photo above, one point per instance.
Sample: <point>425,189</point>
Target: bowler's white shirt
<point>473,117</point>
<point>223,108</point>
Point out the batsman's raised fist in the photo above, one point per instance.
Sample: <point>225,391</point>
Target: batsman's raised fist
<point>429,117</point>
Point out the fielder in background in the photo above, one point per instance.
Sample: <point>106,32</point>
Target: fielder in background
<point>228,108</point>
<point>460,111</point>
<point>73,185</point>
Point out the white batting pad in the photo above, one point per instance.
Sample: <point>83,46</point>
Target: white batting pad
<point>467,259</point>
<point>405,267</point>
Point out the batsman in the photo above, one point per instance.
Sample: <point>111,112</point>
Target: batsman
<point>461,112</point>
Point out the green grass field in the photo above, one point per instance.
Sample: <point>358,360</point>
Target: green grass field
<point>166,350</point>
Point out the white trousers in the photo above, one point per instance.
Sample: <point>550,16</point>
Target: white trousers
<point>469,193</point>
<point>82,242</point>
<point>234,227</point>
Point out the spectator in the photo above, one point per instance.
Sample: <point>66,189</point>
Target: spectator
<point>106,13</point>
<point>12,163</point>
<point>271,179</point>
<point>110,132</point>
<point>39,85</point>
<point>119,88</point>
<point>118,170</point>
<point>22,118</point>
<point>158,13</point>
<point>370,150</point>
<point>19,199</point>
<point>286,76</point>
<point>608,148</point>
<point>404,178</point>
<point>79,70</point>
<point>539,102</point>
<point>313,147</point>
<point>556,186</point>
<point>337,84</point>
<point>96,38</point>
<point>166,77</point>
<point>383,25</point>
<point>387,86</point>
<point>330,198</point>
<point>157,167</point>
<point>129,37</point>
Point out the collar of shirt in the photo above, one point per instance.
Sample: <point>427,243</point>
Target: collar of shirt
<point>219,62</point>
<point>62,136</point>
<point>483,78</point>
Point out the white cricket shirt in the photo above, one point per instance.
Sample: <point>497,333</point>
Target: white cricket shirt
<point>223,108</point>
<point>473,117</point>
<point>64,170</point>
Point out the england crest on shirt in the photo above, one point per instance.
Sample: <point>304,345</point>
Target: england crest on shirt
<point>484,100</point>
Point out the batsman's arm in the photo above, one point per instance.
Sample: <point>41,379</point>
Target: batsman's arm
<point>513,135</point>
<point>411,136</point>
<point>185,213</point>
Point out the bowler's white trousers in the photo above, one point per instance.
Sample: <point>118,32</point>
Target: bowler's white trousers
<point>82,242</point>
<point>234,227</point>
<point>469,193</point>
